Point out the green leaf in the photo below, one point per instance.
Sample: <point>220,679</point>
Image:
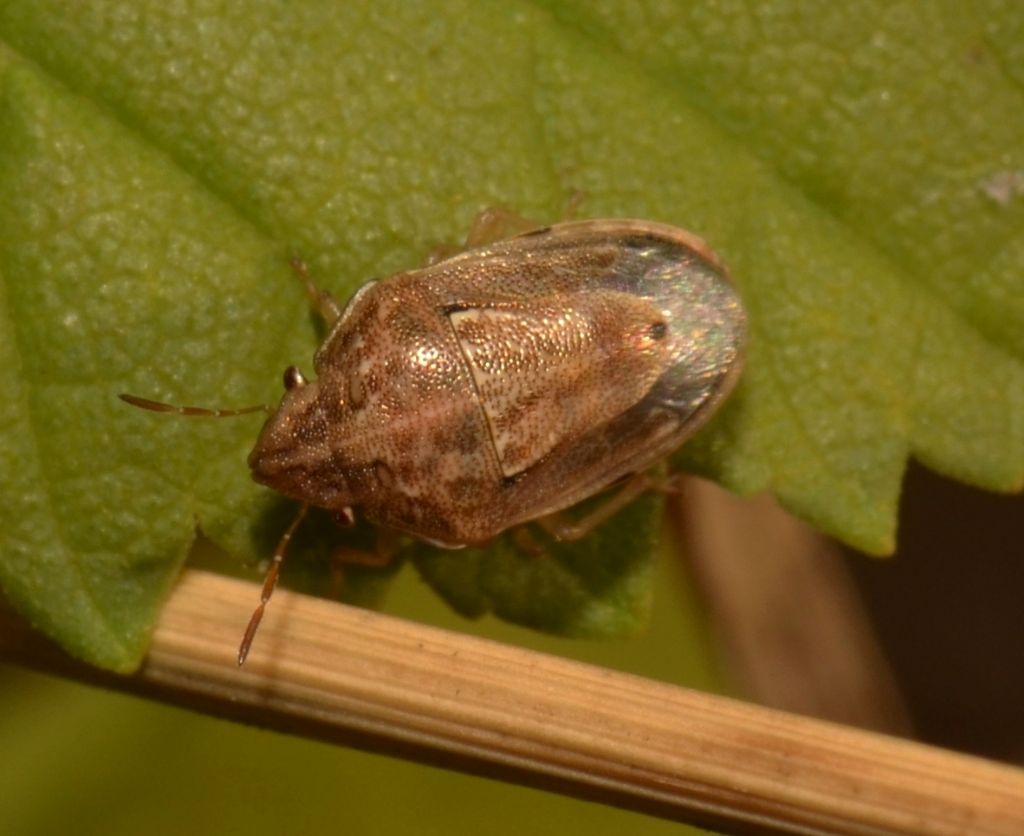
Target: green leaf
<point>860,170</point>
<point>597,587</point>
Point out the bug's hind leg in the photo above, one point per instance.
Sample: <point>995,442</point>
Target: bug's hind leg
<point>322,301</point>
<point>636,485</point>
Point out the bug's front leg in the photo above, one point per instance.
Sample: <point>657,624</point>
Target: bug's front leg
<point>322,301</point>
<point>384,553</point>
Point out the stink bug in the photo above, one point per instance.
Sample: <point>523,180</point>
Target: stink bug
<point>503,384</point>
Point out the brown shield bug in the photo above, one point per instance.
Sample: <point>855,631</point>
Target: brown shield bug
<point>503,384</point>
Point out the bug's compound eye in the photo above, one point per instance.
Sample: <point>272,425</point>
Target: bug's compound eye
<point>293,378</point>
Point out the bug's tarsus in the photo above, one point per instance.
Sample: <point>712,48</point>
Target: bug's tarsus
<point>572,205</point>
<point>269,584</point>
<point>440,253</point>
<point>192,411</point>
<point>526,542</point>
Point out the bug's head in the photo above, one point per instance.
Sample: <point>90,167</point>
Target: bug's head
<point>291,451</point>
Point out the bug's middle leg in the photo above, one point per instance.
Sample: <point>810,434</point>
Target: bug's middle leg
<point>495,223</point>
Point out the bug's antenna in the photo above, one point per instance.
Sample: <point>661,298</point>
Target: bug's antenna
<point>269,583</point>
<point>191,411</point>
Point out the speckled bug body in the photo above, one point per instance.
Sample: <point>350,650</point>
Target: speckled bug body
<point>510,381</point>
<point>501,385</point>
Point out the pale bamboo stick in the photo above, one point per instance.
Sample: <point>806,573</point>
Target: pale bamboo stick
<point>378,682</point>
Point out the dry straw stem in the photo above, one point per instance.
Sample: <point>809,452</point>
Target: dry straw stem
<point>333,672</point>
